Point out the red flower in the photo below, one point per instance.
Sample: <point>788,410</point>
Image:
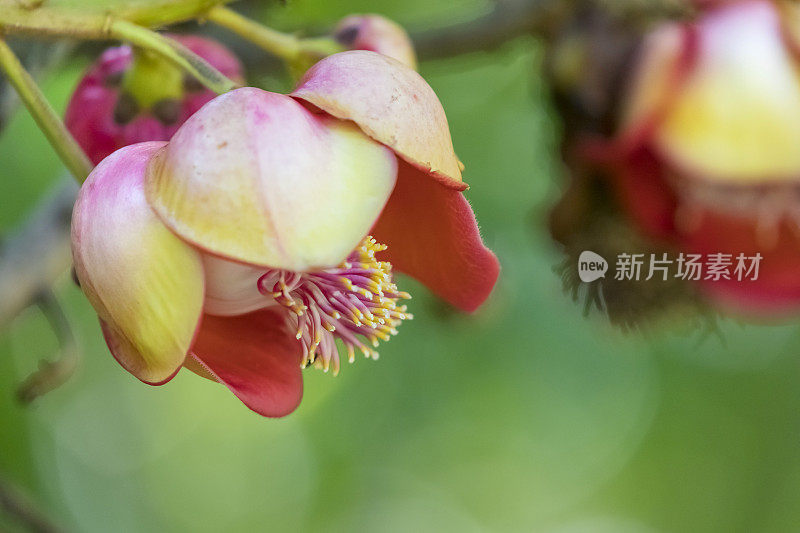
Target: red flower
<point>240,249</point>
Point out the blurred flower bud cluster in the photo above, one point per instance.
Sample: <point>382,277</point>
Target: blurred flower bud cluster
<point>681,136</point>
<point>706,156</point>
<point>592,49</point>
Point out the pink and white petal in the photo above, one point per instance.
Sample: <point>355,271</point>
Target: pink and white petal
<point>255,177</point>
<point>232,288</point>
<point>144,282</point>
<point>392,103</point>
<point>256,357</point>
<point>736,119</point>
<point>432,235</point>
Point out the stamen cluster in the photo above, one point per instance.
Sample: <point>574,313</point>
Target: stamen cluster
<point>354,300</point>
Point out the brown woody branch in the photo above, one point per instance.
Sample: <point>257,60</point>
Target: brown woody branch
<point>507,20</point>
<point>22,509</point>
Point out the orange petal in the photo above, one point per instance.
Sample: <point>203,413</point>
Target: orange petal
<point>432,235</point>
<point>257,178</point>
<point>256,357</point>
<point>144,282</point>
<point>392,104</point>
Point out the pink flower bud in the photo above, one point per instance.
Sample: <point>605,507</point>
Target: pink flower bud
<point>377,34</point>
<point>103,117</point>
<point>241,248</point>
<point>709,157</point>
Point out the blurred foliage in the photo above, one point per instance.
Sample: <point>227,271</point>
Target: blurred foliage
<point>525,417</point>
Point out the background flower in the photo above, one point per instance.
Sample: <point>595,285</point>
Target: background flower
<point>709,140</point>
<point>104,116</point>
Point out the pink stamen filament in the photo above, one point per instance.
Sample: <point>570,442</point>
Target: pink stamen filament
<point>354,300</point>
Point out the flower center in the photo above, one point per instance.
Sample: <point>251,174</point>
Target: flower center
<point>355,300</point>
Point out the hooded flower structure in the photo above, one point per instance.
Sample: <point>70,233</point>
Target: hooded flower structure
<point>104,116</point>
<point>240,249</point>
<point>710,146</point>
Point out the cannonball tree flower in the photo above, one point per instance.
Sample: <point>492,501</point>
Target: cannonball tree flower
<point>377,34</point>
<point>708,148</point>
<point>248,245</point>
<point>129,96</point>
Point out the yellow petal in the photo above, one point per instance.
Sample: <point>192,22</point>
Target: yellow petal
<point>144,282</point>
<point>391,103</point>
<point>257,178</point>
<point>737,117</point>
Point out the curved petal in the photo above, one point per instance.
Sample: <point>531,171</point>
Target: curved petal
<point>432,235</point>
<point>232,288</point>
<point>776,290</point>
<point>90,111</point>
<point>643,192</point>
<point>737,117</point>
<point>257,178</point>
<point>256,357</point>
<point>144,282</point>
<point>377,34</point>
<point>392,104</point>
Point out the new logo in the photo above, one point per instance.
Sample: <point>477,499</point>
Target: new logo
<point>591,266</point>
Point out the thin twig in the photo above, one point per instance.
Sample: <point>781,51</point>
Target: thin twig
<point>286,46</point>
<point>38,58</point>
<point>16,504</point>
<point>173,51</point>
<point>48,120</point>
<point>52,374</point>
<point>283,45</point>
<point>507,19</point>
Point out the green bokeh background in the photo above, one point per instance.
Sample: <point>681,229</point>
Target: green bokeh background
<point>525,417</point>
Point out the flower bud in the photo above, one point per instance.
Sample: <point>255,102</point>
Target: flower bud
<point>376,34</point>
<point>129,96</point>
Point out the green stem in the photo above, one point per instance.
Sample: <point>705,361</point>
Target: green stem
<point>49,122</point>
<point>173,51</point>
<point>89,19</point>
<point>283,45</point>
<point>288,47</point>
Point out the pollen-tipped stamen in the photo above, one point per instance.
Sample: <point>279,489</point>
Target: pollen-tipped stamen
<point>355,300</point>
